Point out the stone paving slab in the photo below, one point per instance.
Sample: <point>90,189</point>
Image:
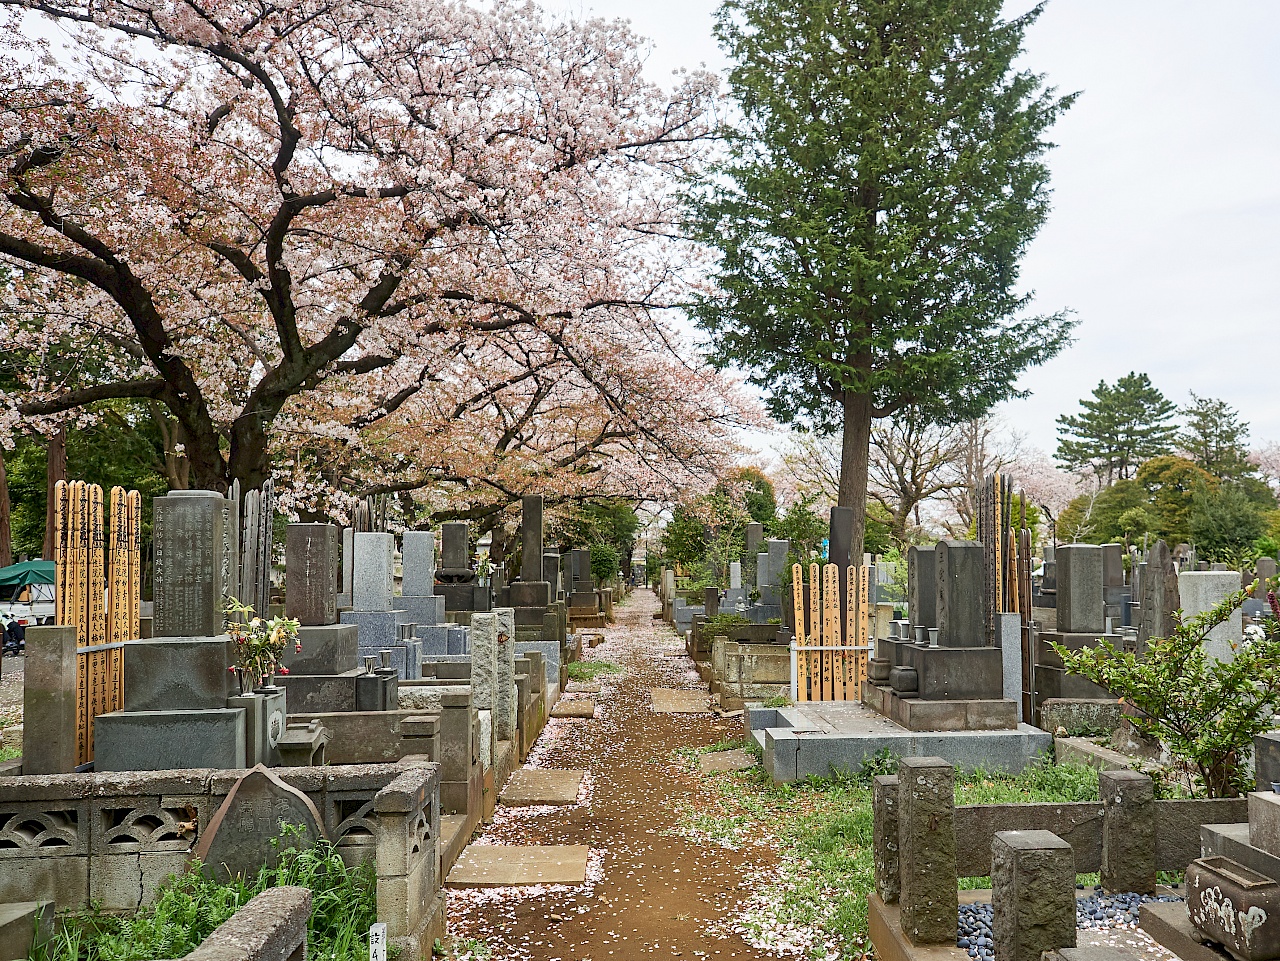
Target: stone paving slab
<point>670,701</point>
<point>582,687</point>
<point>541,786</point>
<point>574,707</point>
<point>722,762</point>
<point>509,865</point>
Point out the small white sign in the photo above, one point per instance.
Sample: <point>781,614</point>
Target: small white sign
<point>378,942</point>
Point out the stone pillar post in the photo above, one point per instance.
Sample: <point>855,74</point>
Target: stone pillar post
<point>711,602</point>
<point>927,850</point>
<point>484,660</point>
<point>1128,831</point>
<point>504,678</point>
<point>458,755</point>
<point>1033,893</point>
<point>49,701</point>
<point>884,835</point>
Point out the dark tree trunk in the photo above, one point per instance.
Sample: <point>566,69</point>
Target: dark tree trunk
<point>55,470</point>
<point>6,532</point>
<point>854,454</point>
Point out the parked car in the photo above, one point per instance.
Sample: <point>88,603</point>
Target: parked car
<point>27,593</point>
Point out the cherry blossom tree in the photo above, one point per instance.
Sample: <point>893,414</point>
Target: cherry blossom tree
<point>353,228</point>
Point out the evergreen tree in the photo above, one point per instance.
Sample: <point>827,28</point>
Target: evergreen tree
<point>1215,438</point>
<point>872,212</point>
<point>1120,427</point>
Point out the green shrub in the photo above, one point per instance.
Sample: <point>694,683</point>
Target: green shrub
<point>191,906</point>
<point>1205,711</point>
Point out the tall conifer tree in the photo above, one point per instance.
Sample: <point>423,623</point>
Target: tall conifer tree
<point>1120,426</point>
<point>872,210</point>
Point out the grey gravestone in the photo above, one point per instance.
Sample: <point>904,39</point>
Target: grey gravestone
<point>374,573</point>
<point>778,550</point>
<point>735,575</point>
<point>551,573</point>
<point>1201,590</point>
<point>959,567</point>
<point>755,537</point>
<point>1265,570</point>
<point>418,563</point>
<point>311,573</point>
<point>456,552</point>
<point>841,542</point>
<point>194,563</point>
<point>531,538</point>
<point>1113,565</point>
<point>922,587</point>
<point>1080,600</point>
<point>1159,595</point>
<point>237,842</point>
<point>762,571</point>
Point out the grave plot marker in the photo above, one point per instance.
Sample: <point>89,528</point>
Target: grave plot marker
<point>831,660</point>
<point>82,550</point>
<point>815,631</point>
<point>802,639</point>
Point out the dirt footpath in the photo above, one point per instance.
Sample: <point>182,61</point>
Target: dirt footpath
<point>648,891</point>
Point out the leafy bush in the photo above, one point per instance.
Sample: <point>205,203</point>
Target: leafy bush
<point>1206,711</point>
<point>604,562</point>
<point>191,906</point>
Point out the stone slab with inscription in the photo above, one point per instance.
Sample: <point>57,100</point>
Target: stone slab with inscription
<point>238,840</point>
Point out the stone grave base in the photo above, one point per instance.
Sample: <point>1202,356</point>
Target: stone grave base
<point>575,707</point>
<point>1168,924</point>
<point>917,714</point>
<point>821,737</point>
<point>670,701</point>
<point>540,786</point>
<point>884,924</point>
<point>583,687</point>
<point>508,865</point>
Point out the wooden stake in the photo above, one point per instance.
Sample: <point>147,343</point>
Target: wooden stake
<point>816,637</point>
<point>831,631</point>
<point>802,657</point>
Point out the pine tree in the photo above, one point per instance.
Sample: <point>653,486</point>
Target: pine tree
<point>1120,427</point>
<point>1215,438</point>
<point>872,211</point>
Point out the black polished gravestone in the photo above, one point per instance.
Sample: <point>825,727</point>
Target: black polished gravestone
<point>260,809</point>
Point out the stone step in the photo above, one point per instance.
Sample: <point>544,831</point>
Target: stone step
<point>511,865</point>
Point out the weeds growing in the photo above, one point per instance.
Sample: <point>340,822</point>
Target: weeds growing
<point>590,670</point>
<point>191,906</point>
<point>821,830</point>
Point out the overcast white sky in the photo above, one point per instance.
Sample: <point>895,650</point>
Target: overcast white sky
<point>1165,235</point>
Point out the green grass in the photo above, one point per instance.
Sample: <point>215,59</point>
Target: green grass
<point>9,753</point>
<point>778,700</point>
<point>590,670</point>
<point>822,829</point>
<point>191,906</point>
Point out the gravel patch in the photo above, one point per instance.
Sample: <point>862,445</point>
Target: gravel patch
<point>1097,910</point>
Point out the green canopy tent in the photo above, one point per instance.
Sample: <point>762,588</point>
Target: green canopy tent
<point>28,572</point>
